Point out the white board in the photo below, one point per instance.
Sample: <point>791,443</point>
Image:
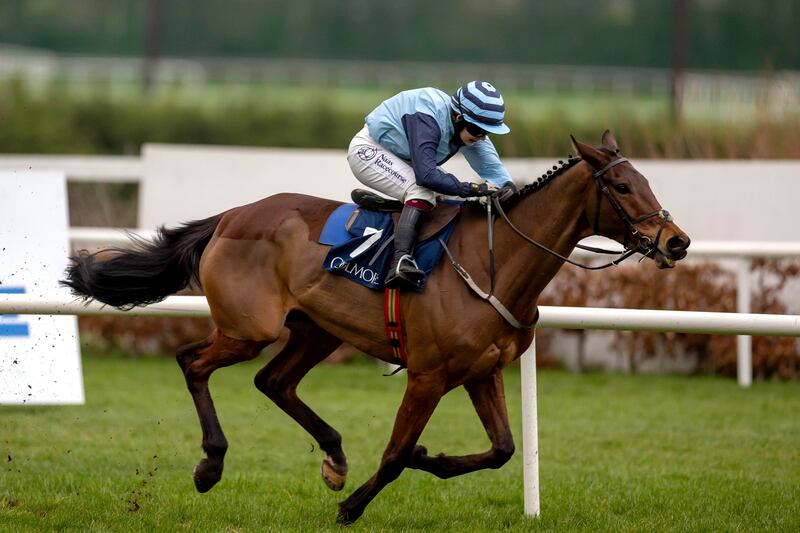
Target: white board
<point>39,355</point>
<point>710,200</point>
<point>185,182</point>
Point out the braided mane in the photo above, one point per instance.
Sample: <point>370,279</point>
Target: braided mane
<point>544,179</point>
<point>532,187</point>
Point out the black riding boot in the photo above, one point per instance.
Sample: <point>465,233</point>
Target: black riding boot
<point>404,272</point>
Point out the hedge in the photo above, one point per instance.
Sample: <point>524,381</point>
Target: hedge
<point>54,122</point>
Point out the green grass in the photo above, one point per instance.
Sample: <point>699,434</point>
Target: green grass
<point>618,453</point>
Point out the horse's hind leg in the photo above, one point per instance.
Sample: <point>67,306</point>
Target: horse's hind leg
<point>198,361</point>
<point>308,345</point>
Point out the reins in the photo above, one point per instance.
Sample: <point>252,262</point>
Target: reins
<point>644,244</point>
<point>623,255</point>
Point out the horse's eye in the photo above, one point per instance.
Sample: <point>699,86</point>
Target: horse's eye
<point>622,189</point>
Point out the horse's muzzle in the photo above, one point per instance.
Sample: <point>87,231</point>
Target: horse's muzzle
<point>676,247</point>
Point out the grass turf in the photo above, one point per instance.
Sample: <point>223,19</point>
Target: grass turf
<point>618,453</point>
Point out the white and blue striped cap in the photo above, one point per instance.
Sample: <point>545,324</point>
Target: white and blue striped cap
<point>480,103</point>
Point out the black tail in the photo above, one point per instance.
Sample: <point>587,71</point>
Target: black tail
<point>146,273</point>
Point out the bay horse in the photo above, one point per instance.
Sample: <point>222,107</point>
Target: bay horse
<point>261,270</point>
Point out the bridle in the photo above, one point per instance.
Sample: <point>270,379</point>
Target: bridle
<point>644,244</point>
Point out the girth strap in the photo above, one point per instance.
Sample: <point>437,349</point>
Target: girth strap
<point>394,325</point>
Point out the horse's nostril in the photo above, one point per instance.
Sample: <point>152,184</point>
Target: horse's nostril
<point>678,243</point>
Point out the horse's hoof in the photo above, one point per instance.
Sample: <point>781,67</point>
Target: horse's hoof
<point>206,474</point>
<point>347,516</point>
<point>333,475</point>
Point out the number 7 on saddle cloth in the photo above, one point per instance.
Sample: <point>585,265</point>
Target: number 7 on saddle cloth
<point>362,252</point>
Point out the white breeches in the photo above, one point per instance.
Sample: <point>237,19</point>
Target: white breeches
<point>378,168</point>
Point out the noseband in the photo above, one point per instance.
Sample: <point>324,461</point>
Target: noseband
<point>644,244</point>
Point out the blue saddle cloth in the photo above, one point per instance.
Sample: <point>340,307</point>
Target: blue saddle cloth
<point>363,252</point>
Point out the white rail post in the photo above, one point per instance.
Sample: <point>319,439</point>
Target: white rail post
<point>744,343</point>
<point>530,431</point>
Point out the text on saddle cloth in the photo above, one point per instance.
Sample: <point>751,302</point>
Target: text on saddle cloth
<point>362,248</point>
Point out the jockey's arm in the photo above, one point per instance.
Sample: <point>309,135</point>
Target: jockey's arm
<point>484,160</point>
<point>423,136</point>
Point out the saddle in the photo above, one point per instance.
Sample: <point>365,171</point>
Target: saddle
<point>370,200</point>
<point>432,223</point>
<point>361,237</point>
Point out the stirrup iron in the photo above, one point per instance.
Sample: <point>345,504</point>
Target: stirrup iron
<point>405,278</point>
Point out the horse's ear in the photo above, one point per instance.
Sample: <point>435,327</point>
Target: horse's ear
<point>590,154</point>
<point>609,141</point>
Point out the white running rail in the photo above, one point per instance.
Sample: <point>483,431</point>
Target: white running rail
<point>550,317</point>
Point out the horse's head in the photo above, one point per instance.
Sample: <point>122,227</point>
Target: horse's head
<point>625,209</point>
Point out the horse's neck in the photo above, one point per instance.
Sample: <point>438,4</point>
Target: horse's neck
<point>554,217</point>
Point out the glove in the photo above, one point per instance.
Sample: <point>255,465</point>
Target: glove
<point>506,191</point>
<point>470,189</point>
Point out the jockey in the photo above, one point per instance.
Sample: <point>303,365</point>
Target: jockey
<point>405,140</point>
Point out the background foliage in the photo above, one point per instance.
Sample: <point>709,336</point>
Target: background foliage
<point>53,120</point>
<point>696,286</point>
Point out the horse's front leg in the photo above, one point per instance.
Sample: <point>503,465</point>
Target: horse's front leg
<point>422,395</point>
<point>488,397</point>
<point>198,361</point>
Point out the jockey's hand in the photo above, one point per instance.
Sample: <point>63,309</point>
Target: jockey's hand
<point>506,191</point>
<point>471,189</point>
